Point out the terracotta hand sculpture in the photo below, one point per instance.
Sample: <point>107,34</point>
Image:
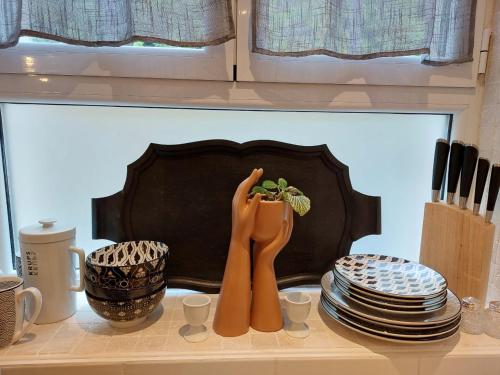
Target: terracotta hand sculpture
<point>232,317</point>
<point>269,224</point>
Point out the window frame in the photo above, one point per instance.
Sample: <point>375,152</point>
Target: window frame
<point>6,230</point>
<point>217,62</point>
<point>207,63</point>
<point>400,71</point>
<point>213,63</point>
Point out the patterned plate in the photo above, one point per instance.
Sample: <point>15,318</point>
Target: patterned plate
<point>397,332</point>
<point>390,311</point>
<point>388,300</point>
<point>382,336</point>
<point>396,309</point>
<point>391,276</point>
<point>446,315</point>
<point>416,329</point>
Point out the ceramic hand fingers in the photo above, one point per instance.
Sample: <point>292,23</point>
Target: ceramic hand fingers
<point>243,214</point>
<point>272,249</point>
<point>240,196</point>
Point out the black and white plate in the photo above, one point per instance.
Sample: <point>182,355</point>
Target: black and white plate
<point>407,329</point>
<point>393,331</point>
<point>395,309</point>
<point>384,336</point>
<point>391,276</point>
<point>443,316</point>
<point>395,301</point>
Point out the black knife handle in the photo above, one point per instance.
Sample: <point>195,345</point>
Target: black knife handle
<point>493,191</point>
<point>454,166</point>
<point>483,166</point>
<point>440,158</point>
<point>467,174</point>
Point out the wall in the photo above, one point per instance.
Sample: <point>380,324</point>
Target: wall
<point>389,155</point>
<point>489,142</point>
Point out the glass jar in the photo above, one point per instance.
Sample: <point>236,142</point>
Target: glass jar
<point>492,324</point>
<point>472,316</point>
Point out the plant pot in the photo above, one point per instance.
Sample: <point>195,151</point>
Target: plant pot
<point>269,220</point>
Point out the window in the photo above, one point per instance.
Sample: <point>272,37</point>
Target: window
<point>136,44</point>
<point>40,56</point>
<point>217,63</point>
<point>61,156</point>
<point>403,71</point>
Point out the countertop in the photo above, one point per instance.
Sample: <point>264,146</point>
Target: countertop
<point>86,341</point>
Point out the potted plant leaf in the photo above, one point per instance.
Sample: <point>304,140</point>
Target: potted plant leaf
<point>277,199</point>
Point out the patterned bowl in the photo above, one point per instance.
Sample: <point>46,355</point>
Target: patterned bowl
<point>126,313</point>
<point>126,270</point>
<point>145,287</point>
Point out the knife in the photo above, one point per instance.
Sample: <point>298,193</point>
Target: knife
<point>483,166</point>
<point>454,166</point>
<point>467,174</point>
<point>493,191</point>
<point>440,159</point>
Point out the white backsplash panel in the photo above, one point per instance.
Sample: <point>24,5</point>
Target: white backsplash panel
<point>59,157</point>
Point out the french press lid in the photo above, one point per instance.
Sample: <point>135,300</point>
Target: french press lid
<point>48,230</point>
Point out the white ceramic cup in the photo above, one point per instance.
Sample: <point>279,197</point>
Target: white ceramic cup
<point>298,306</point>
<point>196,309</point>
<point>12,296</point>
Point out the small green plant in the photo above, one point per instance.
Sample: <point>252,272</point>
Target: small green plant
<point>280,191</point>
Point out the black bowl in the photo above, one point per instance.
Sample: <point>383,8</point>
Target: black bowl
<point>125,310</point>
<point>137,266</point>
<point>119,294</point>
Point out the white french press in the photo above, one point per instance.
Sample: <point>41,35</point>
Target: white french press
<point>48,265</point>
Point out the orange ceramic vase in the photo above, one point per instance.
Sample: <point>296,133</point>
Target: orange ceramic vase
<point>269,220</point>
<point>272,229</point>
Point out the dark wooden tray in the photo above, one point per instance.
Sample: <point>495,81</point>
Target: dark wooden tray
<point>181,195</point>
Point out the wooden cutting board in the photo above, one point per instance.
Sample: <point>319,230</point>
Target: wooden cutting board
<point>459,245</point>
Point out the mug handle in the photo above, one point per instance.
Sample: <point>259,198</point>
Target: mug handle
<point>37,297</point>
<point>81,259</point>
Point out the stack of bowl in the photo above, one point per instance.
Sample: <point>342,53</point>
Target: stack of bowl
<point>126,281</point>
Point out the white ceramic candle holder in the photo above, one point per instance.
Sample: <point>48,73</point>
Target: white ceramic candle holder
<point>196,309</point>
<point>298,306</point>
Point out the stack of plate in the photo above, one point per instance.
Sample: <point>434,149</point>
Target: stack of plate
<point>390,298</point>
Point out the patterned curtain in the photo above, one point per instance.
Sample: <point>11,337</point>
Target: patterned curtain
<point>441,30</point>
<point>186,23</point>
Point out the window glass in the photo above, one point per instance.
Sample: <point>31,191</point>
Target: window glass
<point>137,43</point>
<point>61,156</point>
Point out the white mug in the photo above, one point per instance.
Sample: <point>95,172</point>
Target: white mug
<point>12,296</point>
<point>47,264</point>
